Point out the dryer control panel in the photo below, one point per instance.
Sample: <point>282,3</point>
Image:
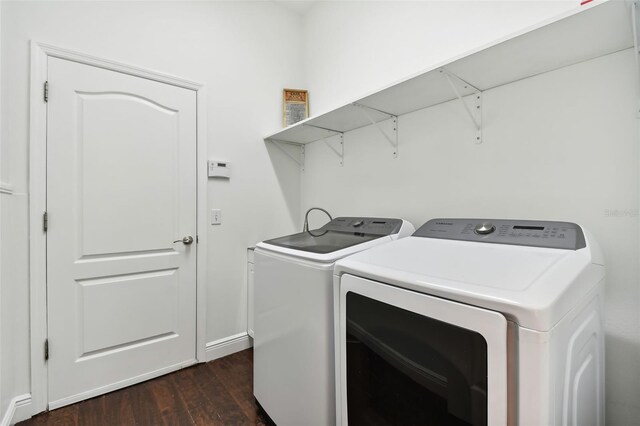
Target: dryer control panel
<point>533,233</point>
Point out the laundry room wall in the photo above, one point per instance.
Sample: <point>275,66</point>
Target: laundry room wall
<point>559,146</point>
<point>355,47</point>
<point>244,52</point>
<point>3,404</point>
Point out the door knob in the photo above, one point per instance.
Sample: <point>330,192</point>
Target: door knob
<point>186,240</point>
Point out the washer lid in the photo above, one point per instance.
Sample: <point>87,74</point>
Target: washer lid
<point>532,286</point>
<point>340,233</point>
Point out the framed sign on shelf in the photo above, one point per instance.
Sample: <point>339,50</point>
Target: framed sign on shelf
<point>295,106</point>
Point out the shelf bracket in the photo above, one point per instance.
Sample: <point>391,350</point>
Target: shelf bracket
<point>339,153</point>
<point>475,112</point>
<point>322,128</point>
<point>635,24</point>
<point>392,140</point>
<point>279,144</point>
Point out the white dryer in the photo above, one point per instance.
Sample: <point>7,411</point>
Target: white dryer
<point>472,322</point>
<point>293,306</point>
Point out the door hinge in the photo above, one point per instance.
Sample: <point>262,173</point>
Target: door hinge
<point>46,350</point>
<point>45,221</point>
<point>46,91</point>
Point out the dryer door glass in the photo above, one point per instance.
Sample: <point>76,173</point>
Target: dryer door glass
<point>406,368</point>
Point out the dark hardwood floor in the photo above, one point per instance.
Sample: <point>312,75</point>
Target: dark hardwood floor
<point>219,392</point>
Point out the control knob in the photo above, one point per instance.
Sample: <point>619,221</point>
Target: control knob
<point>484,228</point>
<point>358,223</point>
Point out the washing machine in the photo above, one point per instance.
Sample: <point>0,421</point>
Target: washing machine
<point>293,306</point>
<point>472,322</point>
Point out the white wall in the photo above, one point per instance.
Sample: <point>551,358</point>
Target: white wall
<point>3,403</point>
<point>245,53</point>
<point>560,146</point>
<point>355,47</point>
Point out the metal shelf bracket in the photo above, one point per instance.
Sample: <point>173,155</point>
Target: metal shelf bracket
<point>475,111</point>
<point>635,24</point>
<point>392,140</point>
<point>339,152</point>
<point>279,144</point>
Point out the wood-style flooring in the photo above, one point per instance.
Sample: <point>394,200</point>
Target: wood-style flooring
<point>219,392</point>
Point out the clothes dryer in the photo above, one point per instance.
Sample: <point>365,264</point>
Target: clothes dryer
<point>473,322</point>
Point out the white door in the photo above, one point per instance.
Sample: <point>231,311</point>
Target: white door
<point>121,188</point>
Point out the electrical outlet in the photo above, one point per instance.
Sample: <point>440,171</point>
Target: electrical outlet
<point>216,217</point>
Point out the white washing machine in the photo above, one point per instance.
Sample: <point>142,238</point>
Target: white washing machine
<point>472,322</point>
<point>293,302</point>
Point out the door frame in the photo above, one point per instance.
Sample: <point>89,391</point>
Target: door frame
<point>40,52</point>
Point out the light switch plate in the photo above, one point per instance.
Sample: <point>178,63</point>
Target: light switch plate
<point>216,217</point>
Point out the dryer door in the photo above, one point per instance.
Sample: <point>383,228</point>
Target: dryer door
<point>410,358</point>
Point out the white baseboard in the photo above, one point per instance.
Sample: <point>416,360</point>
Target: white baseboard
<point>19,409</point>
<point>227,346</point>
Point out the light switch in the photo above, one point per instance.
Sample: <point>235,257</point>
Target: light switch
<point>216,217</point>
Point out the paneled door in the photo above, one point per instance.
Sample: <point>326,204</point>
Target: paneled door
<point>121,249</point>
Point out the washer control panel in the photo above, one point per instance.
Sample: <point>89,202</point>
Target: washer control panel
<point>364,225</point>
<point>533,233</point>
